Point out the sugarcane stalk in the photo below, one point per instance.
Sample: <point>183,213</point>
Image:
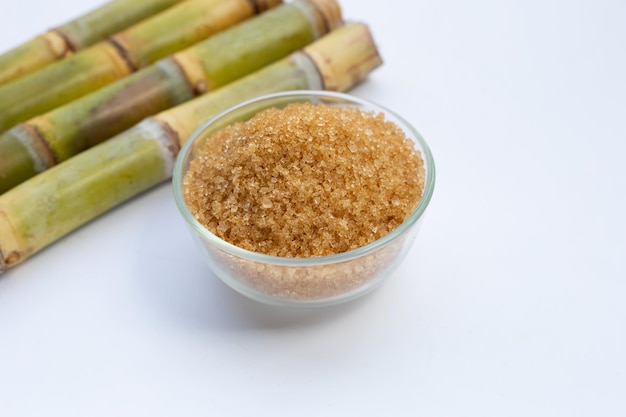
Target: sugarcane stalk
<point>117,57</point>
<point>75,35</point>
<point>38,144</point>
<point>48,206</point>
<point>337,62</point>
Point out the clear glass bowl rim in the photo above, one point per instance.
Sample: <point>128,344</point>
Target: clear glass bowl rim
<point>178,174</point>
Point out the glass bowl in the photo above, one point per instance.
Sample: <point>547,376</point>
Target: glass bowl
<point>316,281</point>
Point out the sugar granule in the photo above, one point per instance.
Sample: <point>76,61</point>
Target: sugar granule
<point>305,181</point>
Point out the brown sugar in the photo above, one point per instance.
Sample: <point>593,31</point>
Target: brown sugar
<point>305,181</point>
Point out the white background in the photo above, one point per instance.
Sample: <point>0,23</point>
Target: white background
<point>512,301</point>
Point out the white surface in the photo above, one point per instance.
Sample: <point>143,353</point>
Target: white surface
<point>512,301</point>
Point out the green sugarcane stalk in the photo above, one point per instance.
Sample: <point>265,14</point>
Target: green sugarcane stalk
<point>77,34</point>
<point>38,144</point>
<point>117,57</point>
<point>48,206</point>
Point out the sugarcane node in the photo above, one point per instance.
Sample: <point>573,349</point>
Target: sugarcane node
<point>329,12</point>
<point>69,46</point>
<point>172,136</point>
<point>35,133</point>
<point>56,45</point>
<point>316,66</point>
<point>123,53</point>
<point>199,86</point>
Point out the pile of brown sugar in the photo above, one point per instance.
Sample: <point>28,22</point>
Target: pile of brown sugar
<point>304,181</point>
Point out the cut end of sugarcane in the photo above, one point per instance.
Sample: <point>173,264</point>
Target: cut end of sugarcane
<point>345,57</point>
<point>11,252</point>
<point>10,261</point>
